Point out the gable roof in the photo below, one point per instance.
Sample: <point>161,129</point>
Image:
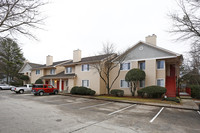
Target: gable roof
<point>90,59</point>
<point>59,75</point>
<point>51,66</point>
<point>168,53</point>
<point>32,65</point>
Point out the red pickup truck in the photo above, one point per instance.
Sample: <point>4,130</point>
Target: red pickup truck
<point>41,89</point>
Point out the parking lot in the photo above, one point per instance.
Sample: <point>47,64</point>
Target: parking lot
<point>55,113</point>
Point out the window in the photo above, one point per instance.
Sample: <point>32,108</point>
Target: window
<point>142,65</point>
<point>85,67</point>
<point>85,83</point>
<point>37,72</point>
<point>49,86</point>
<point>125,66</point>
<point>52,71</point>
<point>142,84</point>
<point>160,64</point>
<point>124,84</point>
<point>160,82</point>
<point>68,69</point>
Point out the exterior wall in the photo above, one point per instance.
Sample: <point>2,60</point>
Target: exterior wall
<point>59,69</point>
<point>150,70</point>
<point>34,77</point>
<point>91,75</point>
<point>70,84</point>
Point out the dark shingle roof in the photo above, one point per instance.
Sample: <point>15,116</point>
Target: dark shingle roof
<point>59,75</point>
<point>88,59</point>
<point>34,65</point>
<point>50,66</point>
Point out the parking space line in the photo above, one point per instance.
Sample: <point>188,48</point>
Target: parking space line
<point>198,112</point>
<point>96,105</point>
<point>71,103</point>
<point>156,115</point>
<point>121,109</point>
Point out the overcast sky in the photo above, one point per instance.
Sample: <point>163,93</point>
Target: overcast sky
<point>87,24</point>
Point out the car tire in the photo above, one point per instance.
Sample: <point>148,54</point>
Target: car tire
<point>41,93</point>
<point>21,91</point>
<point>0,88</point>
<point>56,92</point>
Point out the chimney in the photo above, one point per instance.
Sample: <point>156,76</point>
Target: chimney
<point>76,55</point>
<point>49,60</point>
<point>151,39</point>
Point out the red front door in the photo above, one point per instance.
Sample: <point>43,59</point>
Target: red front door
<point>171,82</point>
<point>58,85</point>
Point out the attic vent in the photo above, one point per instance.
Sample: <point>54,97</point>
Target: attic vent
<point>141,48</point>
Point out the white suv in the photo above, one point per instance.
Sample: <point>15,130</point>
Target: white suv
<point>25,88</point>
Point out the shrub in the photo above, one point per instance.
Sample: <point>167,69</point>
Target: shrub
<point>39,81</point>
<point>195,91</point>
<point>172,99</point>
<point>82,91</point>
<point>117,92</point>
<point>152,91</point>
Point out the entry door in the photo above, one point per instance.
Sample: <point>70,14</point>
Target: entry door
<point>58,84</point>
<point>172,71</point>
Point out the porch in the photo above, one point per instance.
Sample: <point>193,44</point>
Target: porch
<point>61,81</point>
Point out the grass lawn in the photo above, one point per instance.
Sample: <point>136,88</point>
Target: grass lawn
<point>149,100</point>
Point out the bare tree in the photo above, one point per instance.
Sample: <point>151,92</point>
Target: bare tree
<point>186,20</point>
<point>19,17</point>
<point>106,66</point>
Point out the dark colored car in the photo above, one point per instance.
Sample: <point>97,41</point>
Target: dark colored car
<point>41,89</point>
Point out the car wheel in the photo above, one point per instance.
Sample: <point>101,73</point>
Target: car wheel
<point>56,92</point>
<point>21,91</point>
<point>41,93</point>
<point>0,88</point>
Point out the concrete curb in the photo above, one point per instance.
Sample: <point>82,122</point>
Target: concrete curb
<point>132,102</point>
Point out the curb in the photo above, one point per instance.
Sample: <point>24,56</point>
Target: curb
<point>131,102</point>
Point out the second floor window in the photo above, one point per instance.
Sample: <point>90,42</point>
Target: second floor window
<point>125,66</point>
<point>142,66</point>
<point>85,67</point>
<point>161,64</point>
<point>68,69</point>
<point>52,71</point>
<point>37,72</point>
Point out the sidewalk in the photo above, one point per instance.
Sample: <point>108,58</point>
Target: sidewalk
<point>187,104</point>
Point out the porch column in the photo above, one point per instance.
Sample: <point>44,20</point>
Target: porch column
<point>51,82</point>
<point>60,86</point>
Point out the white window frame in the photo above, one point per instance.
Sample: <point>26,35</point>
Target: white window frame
<point>157,65</point>
<point>144,84</point>
<point>163,82</point>
<point>68,70</point>
<point>128,85</point>
<point>52,71</point>
<point>144,65</point>
<point>88,83</point>
<point>122,68</point>
<point>37,72</point>
<point>88,68</point>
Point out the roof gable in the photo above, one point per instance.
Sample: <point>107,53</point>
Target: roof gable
<point>142,51</point>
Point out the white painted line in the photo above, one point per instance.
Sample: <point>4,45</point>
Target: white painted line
<point>198,112</point>
<point>156,115</point>
<point>95,105</point>
<point>72,103</point>
<point>121,109</point>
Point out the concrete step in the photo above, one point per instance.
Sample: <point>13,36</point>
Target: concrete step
<point>185,97</point>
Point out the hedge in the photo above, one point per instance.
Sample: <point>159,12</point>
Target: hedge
<point>117,92</point>
<point>152,91</point>
<point>82,91</point>
<point>195,91</point>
